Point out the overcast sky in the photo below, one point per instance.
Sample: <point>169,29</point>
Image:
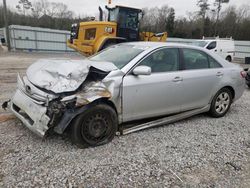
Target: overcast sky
<point>90,7</point>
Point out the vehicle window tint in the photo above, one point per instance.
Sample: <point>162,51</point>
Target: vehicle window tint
<point>120,55</point>
<point>213,63</point>
<point>164,60</point>
<point>212,45</point>
<point>195,59</point>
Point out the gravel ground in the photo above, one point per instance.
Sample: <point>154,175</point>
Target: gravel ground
<point>197,152</point>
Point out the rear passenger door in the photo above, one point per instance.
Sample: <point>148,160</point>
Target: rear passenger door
<point>201,75</point>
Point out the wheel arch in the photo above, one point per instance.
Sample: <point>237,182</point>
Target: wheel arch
<point>226,86</point>
<point>70,115</point>
<point>231,89</point>
<point>106,101</point>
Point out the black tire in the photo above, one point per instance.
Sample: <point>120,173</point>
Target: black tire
<point>229,59</point>
<point>218,104</point>
<point>94,127</point>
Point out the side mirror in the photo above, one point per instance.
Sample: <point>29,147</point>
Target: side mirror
<point>142,70</point>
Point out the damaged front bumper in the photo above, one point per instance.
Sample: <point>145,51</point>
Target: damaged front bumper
<point>30,113</point>
<point>40,111</point>
<point>30,108</point>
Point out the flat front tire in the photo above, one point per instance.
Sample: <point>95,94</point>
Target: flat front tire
<point>94,127</point>
<point>221,103</point>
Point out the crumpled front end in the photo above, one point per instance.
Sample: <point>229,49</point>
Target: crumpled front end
<point>29,105</point>
<point>49,98</point>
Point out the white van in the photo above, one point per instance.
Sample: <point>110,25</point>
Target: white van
<point>224,47</point>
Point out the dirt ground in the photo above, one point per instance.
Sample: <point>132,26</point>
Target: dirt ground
<point>197,152</point>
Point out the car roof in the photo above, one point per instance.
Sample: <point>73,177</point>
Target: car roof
<point>161,44</point>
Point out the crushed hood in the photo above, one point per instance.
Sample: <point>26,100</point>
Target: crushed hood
<point>61,76</point>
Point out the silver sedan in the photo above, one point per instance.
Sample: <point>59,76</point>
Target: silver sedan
<point>125,88</point>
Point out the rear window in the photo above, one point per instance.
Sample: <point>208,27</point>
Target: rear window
<point>213,63</point>
<point>120,55</point>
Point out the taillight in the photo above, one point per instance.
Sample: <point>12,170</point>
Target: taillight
<point>243,74</point>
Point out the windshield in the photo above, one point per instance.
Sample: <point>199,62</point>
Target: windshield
<point>119,55</point>
<point>199,43</point>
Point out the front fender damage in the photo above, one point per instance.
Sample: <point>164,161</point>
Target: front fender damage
<point>41,104</point>
<point>83,100</point>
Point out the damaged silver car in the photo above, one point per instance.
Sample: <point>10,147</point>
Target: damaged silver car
<point>95,98</point>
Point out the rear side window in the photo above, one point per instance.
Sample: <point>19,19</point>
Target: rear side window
<point>213,63</point>
<point>194,59</point>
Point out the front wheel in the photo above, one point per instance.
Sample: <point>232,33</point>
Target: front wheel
<point>96,126</point>
<point>221,103</point>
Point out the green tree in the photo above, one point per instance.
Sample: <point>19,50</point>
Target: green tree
<point>218,5</point>
<point>204,7</point>
<point>170,22</point>
<point>207,27</point>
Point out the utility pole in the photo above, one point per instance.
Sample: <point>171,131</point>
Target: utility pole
<point>7,32</point>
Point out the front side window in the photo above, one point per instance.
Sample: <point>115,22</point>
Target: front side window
<point>164,60</point>
<point>119,55</point>
<point>212,45</point>
<point>194,59</point>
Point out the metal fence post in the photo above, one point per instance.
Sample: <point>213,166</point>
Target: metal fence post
<point>6,24</point>
<point>36,45</point>
<point>66,38</point>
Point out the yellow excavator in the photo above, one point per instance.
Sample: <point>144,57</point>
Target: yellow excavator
<point>122,25</point>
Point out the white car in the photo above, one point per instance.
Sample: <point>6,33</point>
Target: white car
<point>223,47</point>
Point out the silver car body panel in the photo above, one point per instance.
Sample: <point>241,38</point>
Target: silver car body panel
<point>134,97</point>
<point>195,90</point>
<point>152,94</point>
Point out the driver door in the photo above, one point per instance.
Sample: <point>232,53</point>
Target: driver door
<point>145,96</point>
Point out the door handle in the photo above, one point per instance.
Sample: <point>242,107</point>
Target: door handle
<point>177,79</point>
<point>219,74</point>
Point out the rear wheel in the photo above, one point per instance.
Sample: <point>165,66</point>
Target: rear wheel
<point>96,126</point>
<point>221,103</point>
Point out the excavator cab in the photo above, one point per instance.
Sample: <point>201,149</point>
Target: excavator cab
<point>127,20</point>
